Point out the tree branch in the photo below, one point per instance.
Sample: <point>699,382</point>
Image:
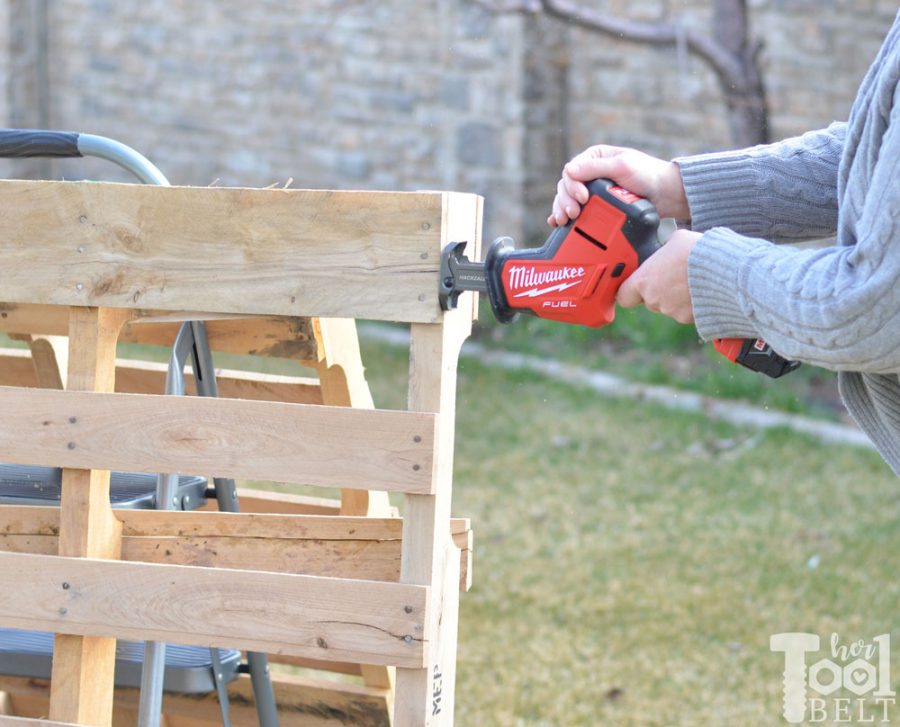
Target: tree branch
<point>724,64</point>
<point>510,6</point>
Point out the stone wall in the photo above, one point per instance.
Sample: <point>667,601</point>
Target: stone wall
<point>400,95</point>
<point>330,93</point>
<point>814,56</point>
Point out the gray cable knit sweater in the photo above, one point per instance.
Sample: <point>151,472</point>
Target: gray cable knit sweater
<point>837,307</point>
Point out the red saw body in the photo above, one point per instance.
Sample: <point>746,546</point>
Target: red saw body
<point>575,275</point>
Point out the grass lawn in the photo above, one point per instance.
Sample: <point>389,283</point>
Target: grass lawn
<point>632,562</point>
<point>653,349</point>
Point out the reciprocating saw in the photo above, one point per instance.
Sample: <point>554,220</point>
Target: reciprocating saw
<point>575,275</point>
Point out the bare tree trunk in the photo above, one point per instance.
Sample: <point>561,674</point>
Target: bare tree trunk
<point>729,51</point>
<point>748,113</point>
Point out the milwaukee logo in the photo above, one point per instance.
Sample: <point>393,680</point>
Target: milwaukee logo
<point>560,279</point>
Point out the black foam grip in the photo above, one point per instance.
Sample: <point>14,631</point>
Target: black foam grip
<point>20,143</point>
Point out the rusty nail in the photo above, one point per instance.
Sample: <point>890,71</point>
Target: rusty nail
<point>65,586</point>
<point>408,609</point>
<point>71,445</point>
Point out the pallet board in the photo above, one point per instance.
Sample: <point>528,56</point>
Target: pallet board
<point>294,443</point>
<point>324,618</point>
<point>290,252</point>
<point>364,548</point>
<point>302,702</point>
<point>146,377</point>
<point>280,337</point>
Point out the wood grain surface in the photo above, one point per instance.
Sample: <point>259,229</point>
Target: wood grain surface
<point>371,255</point>
<point>295,443</point>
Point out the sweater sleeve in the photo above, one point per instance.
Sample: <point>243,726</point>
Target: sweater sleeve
<point>784,192</point>
<point>837,307</point>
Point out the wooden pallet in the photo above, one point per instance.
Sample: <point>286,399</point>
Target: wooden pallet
<point>92,260</point>
<point>330,347</point>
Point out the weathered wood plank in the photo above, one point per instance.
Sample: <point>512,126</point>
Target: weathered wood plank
<point>340,547</point>
<point>83,668</point>
<point>373,560</point>
<point>296,443</point>
<point>323,618</point>
<point>426,696</point>
<point>34,520</point>
<point>368,560</point>
<point>152,523</point>
<point>16,368</point>
<point>289,252</point>
<point>41,520</point>
<point>146,377</point>
<point>302,702</point>
<point>263,501</point>
<point>278,337</point>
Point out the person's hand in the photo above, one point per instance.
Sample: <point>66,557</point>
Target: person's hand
<point>661,283</point>
<point>657,180</point>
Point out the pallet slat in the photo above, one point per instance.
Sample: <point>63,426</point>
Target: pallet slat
<point>342,547</point>
<point>372,255</point>
<point>196,523</point>
<point>295,443</point>
<point>279,337</point>
<point>142,377</point>
<point>323,618</point>
<point>360,559</point>
<point>302,702</point>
